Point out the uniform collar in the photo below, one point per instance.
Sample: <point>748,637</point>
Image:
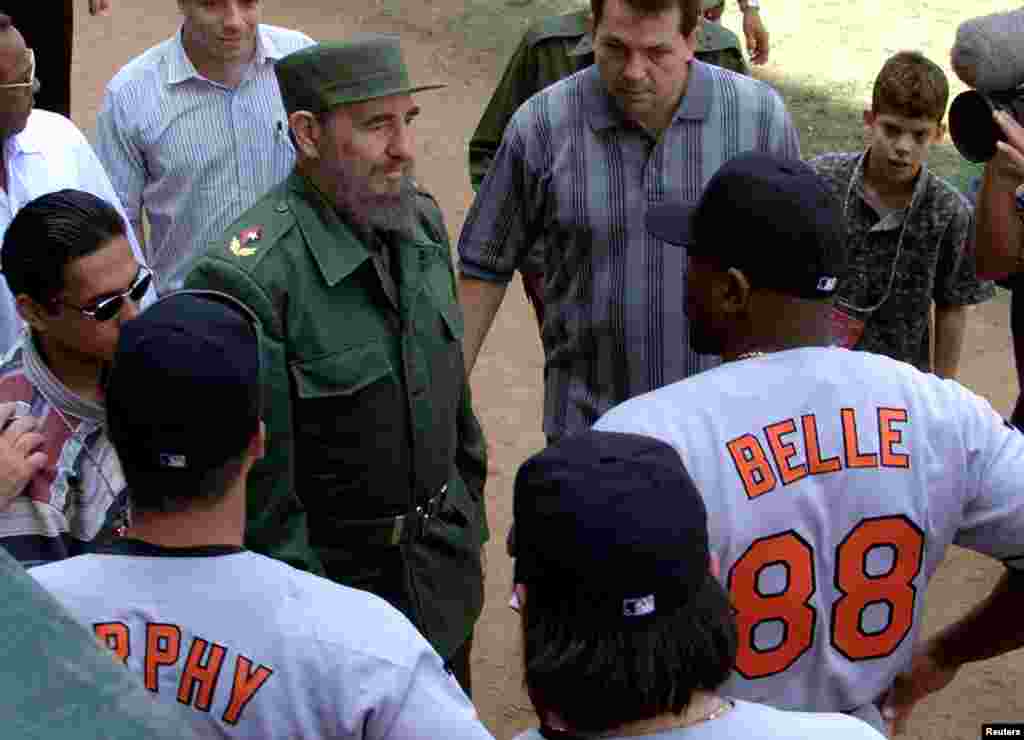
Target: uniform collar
<point>336,249</point>
<point>584,47</point>
<point>143,549</point>
<point>603,113</point>
<point>180,68</point>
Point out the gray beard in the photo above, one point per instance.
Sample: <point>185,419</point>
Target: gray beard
<point>373,212</point>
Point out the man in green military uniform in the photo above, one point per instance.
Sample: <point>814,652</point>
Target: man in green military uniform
<point>559,46</point>
<point>369,420</point>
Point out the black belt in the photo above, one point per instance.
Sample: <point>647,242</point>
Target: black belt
<point>393,530</point>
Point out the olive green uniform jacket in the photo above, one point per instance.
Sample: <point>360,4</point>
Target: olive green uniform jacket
<point>375,463</point>
<point>557,47</point>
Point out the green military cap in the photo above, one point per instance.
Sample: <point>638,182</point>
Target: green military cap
<point>709,4</point>
<point>323,76</point>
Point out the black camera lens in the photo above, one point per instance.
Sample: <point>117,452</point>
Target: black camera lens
<point>972,128</point>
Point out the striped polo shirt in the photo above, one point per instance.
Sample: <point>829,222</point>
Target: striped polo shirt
<point>568,194</point>
<point>192,153</point>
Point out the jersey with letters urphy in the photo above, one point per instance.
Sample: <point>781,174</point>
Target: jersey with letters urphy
<point>248,647</point>
<point>834,483</point>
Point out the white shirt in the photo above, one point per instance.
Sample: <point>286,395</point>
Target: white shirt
<point>51,154</point>
<point>192,153</point>
<point>758,722</point>
<point>834,482</point>
<point>245,646</point>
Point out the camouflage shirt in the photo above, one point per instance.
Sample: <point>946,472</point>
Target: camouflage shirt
<point>902,260</point>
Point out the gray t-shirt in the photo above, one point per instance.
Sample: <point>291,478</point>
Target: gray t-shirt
<point>755,721</point>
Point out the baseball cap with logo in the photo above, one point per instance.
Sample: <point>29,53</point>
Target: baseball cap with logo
<point>613,516</point>
<point>183,394</point>
<point>769,217</point>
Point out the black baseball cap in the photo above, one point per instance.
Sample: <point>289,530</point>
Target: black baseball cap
<point>615,516</point>
<point>183,394</point>
<point>770,217</point>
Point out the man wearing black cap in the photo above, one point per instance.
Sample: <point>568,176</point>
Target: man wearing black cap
<point>625,630</point>
<point>834,480</point>
<point>243,645</point>
<point>368,411</point>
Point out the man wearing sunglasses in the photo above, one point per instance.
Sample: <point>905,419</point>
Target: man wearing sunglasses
<point>67,258</point>
<point>40,152</point>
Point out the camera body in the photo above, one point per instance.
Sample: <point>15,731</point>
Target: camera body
<point>971,126</point>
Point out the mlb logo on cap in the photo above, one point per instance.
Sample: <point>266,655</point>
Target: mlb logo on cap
<point>827,284</point>
<point>173,461</point>
<point>638,607</point>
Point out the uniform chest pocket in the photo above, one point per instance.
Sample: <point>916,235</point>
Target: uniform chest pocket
<point>350,420</point>
<point>342,373</point>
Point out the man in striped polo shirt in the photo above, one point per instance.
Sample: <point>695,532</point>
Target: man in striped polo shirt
<point>193,131</point>
<point>577,169</point>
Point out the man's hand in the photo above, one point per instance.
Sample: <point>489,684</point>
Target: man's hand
<point>757,36</point>
<point>20,453</point>
<point>715,14</point>
<point>998,233</point>
<point>926,676</point>
<point>1008,164</point>
<point>99,7</point>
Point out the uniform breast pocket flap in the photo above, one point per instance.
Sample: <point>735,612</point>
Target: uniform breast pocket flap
<point>342,373</point>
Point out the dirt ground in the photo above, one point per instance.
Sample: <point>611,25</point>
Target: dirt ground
<point>464,44</point>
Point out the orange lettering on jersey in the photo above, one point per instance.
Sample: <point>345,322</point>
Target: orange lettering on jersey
<point>114,635</point>
<point>198,673</point>
<point>888,437</point>
<point>815,465</point>
<point>752,465</point>
<point>247,683</point>
<point>851,443</point>
<point>784,451</point>
<point>163,645</point>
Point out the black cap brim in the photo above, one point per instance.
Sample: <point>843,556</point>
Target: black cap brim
<point>672,223</point>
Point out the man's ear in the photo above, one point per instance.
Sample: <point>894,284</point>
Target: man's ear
<point>306,133</point>
<point>714,565</point>
<point>869,118</point>
<point>940,133</point>
<point>736,292</point>
<point>34,314</point>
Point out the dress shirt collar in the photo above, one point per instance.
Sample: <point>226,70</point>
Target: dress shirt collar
<point>603,113</point>
<point>336,249</point>
<point>180,68</point>
<point>27,142</point>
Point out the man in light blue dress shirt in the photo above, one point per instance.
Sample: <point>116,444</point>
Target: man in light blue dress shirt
<point>193,132</point>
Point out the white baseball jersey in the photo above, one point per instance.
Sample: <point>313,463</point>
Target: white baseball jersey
<point>248,647</point>
<point>834,482</point>
<point>757,722</point>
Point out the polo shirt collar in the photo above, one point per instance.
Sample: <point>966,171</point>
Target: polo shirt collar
<point>603,113</point>
<point>180,68</point>
<point>336,249</point>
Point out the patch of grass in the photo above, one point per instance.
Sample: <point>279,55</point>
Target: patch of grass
<point>824,56</point>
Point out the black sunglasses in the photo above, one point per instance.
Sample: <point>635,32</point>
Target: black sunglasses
<point>108,308</point>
